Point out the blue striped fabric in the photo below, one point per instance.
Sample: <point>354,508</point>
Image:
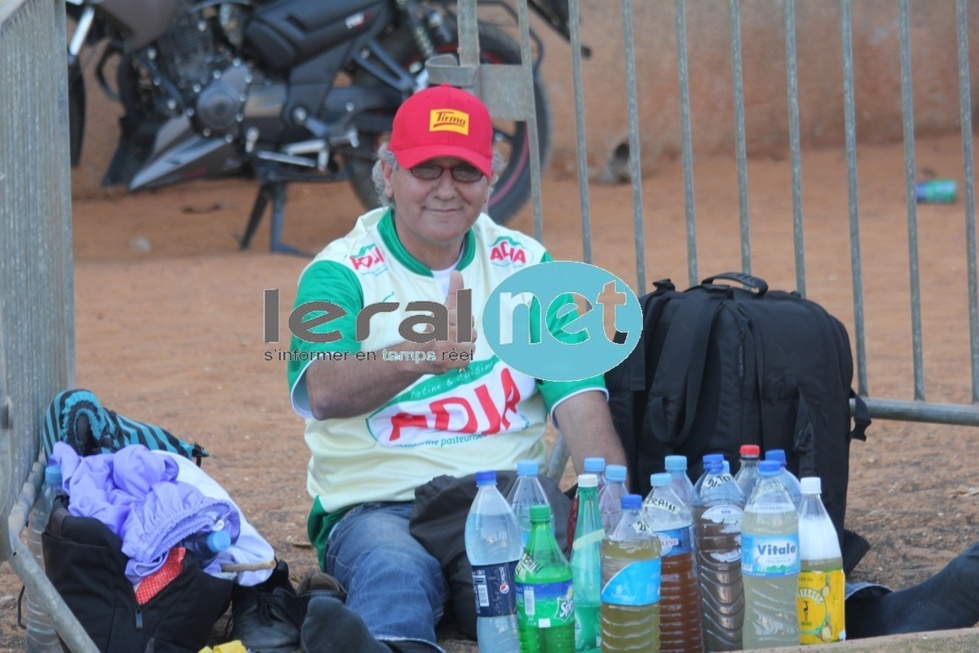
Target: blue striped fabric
<point>77,418</point>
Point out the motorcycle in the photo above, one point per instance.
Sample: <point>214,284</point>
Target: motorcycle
<point>279,90</point>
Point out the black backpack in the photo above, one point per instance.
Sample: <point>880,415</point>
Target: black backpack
<point>719,366</point>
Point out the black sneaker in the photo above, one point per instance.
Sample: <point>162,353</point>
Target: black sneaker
<point>267,617</point>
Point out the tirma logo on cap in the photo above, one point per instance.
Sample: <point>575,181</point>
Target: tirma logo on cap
<point>448,120</point>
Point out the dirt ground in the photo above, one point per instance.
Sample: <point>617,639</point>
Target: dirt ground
<point>169,325</point>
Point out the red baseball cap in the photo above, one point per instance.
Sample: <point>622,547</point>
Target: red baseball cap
<point>443,121</point>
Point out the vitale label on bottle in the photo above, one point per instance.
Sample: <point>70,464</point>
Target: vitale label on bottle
<point>770,556</point>
<point>820,604</point>
<point>494,588</point>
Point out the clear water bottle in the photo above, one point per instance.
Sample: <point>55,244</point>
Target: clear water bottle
<point>787,478</point>
<point>41,634</point>
<point>770,564</point>
<point>670,518</point>
<point>493,546</point>
<point>676,467</point>
<point>545,591</point>
<point>630,583</point>
<point>526,492</point>
<point>821,579</point>
<point>586,568</point>
<point>610,496</point>
<point>747,474</point>
<point>718,513</point>
<point>593,465</point>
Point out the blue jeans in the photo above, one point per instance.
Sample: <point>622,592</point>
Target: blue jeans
<point>392,582</point>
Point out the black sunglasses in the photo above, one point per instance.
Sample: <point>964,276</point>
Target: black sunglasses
<point>463,173</point>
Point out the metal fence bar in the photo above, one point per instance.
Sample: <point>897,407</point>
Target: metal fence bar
<point>36,282</point>
<point>740,148</point>
<point>527,64</point>
<point>965,112</point>
<point>909,172</point>
<point>635,167</point>
<point>683,80</point>
<point>791,70</point>
<point>581,149</point>
<point>850,138</point>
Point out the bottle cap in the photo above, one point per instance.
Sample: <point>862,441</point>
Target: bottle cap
<point>52,475</point>
<point>776,454</point>
<point>631,502</point>
<point>769,467</point>
<point>811,485</point>
<point>486,477</point>
<point>540,512</point>
<point>218,541</point>
<point>750,450</point>
<point>594,465</point>
<point>726,467</point>
<point>708,457</point>
<point>527,468</point>
<point>615,473</point>
<point>676,463</point>
<point>587,480</point>
<point>714,466</point>
<point>660,480</point>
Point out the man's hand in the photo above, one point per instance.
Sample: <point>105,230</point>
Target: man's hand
<point>454,353</point>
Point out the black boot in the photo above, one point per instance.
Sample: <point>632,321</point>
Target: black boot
<point>332,627</point>
<point>267,617</point>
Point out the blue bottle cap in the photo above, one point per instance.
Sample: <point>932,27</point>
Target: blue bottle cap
<point>708,457</point>
<point>527,468</point>
<point>676,463</point>
<point>714,466</point>
<point>775,454</point>
<point>52,475</point>
<point>615,473</point>
<point>631,502</point>
<point>660,480</point>
<point>218,541</point>
<point>594,465</point>
<point>769,467</point>
<point>485,477</point>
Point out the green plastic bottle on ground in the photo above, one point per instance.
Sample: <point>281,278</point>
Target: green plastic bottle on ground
<point>586,568</point>
<point>545,591</point>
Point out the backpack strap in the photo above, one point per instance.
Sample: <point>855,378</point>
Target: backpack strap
<point>861,417</point>
<point>680,373</point>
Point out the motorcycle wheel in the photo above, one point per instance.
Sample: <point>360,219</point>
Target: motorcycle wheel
<point>512,138</point>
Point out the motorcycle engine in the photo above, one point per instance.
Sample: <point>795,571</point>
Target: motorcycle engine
<point>198,55</point>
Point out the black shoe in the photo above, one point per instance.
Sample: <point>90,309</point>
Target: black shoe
<point>267,617</point>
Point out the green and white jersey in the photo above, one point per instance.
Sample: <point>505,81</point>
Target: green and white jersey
<point>486,416</point>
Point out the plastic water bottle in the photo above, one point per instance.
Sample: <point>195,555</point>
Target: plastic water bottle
<point>586,568</point>
<point>610,496</point>
<point>493,546</point>
<point>821,579</point>
<point>787,478</point>
<point>41,634</point>
<point>670,518</point>
<point>718,513</point>
<point>770,564</point>
<point>206,545</point>
<point>630,583</point>
<point>545,591</point>
<point>676,467</point>
<point>594,465</point>
<point>526,492</point>
<point>747,475</point>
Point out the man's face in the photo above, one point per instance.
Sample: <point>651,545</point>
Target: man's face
<point>433,215</point>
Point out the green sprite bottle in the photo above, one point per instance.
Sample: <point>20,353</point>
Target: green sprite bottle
<point>545,592</point>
